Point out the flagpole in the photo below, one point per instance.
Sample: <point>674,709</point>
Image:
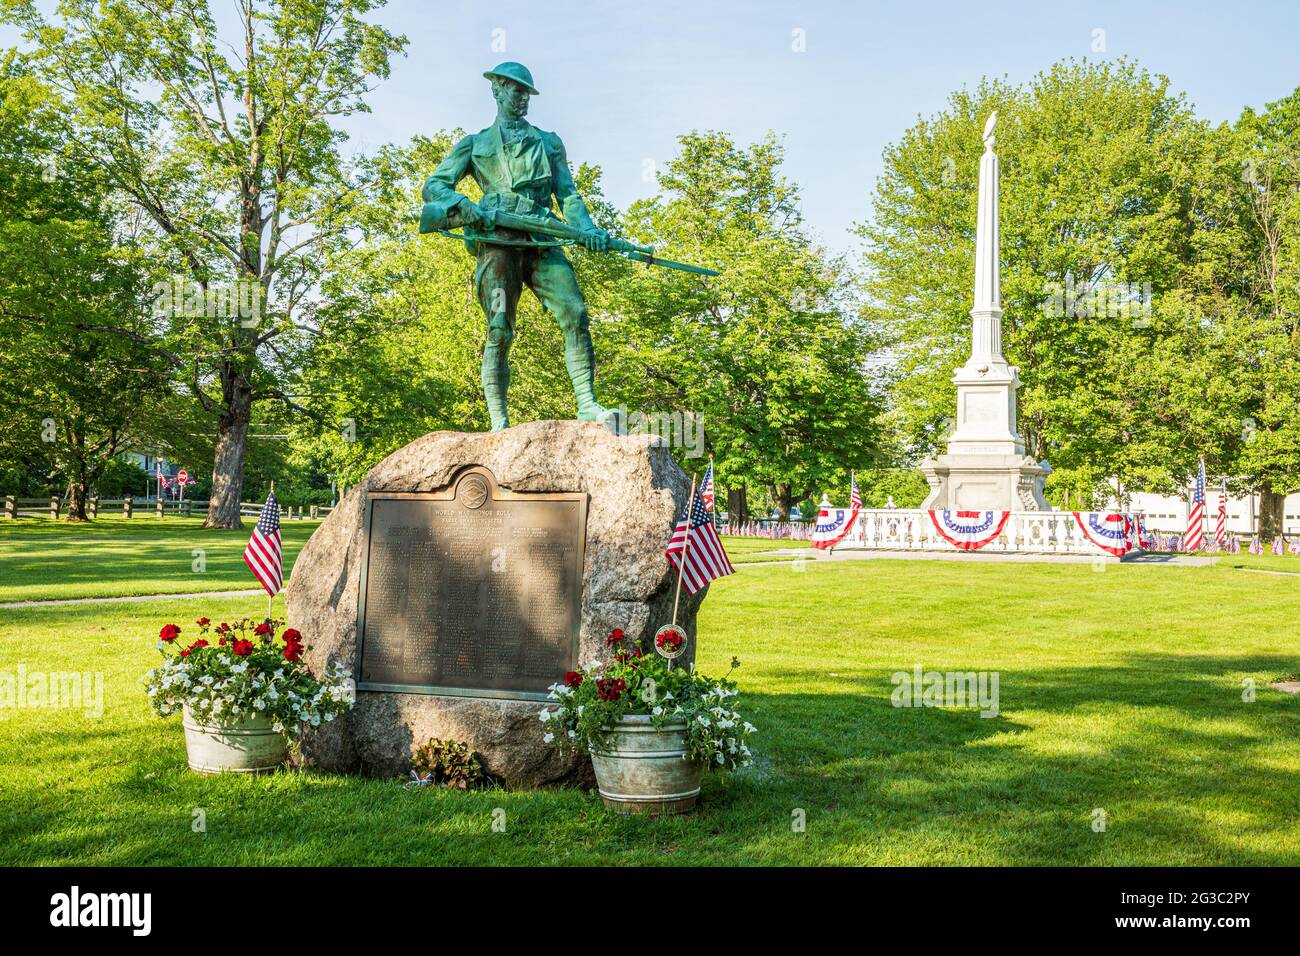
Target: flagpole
<point>686,549</point>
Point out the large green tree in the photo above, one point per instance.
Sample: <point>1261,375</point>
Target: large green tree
<point>1099,188</point>
<point>771,357</point>
<point>1263,186</point>
<point>228,148</point>
<point>74,398</point>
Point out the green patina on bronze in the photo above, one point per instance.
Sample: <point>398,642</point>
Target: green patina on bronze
<point>520,168</point>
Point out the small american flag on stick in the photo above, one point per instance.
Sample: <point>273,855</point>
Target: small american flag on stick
<point>263,554</point>
<point>695,549</point>
<point>706,487</point>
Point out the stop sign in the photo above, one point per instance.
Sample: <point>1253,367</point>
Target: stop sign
<point>183,477</point>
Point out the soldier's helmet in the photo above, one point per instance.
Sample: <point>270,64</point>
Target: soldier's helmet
<point>513,71</point>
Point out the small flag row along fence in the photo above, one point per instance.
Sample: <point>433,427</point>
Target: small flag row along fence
<point>1232,544</point>
<point>1113,533</point>
<point>796,530</point>
<point>131,507</point>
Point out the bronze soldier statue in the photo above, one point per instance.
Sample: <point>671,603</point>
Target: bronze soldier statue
<point>519,168</point>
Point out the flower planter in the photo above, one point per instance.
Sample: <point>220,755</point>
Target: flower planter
<point>244,745</point>
<point>644,770</point>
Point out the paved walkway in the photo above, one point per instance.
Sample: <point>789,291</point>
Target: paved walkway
<point>136,597</point>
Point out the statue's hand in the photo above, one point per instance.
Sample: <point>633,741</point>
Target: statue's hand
<point>472,215</point>
<point>597,240</point>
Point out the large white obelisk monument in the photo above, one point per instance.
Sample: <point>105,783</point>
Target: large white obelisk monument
<point>986,467</point>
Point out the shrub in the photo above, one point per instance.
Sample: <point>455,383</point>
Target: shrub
<point>448,763</point>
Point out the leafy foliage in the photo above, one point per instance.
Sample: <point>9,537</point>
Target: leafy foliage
<point>246,673</point>
<point>591,701</point>
<point>449,763</point>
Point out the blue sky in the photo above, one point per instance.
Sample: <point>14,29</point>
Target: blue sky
<point>620,80</point>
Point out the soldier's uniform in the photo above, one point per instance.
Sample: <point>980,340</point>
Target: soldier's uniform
<point>519,170</point>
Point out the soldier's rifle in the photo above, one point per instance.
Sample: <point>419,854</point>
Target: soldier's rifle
<point>499,218</point>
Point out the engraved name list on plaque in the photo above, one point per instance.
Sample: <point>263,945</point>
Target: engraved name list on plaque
<point>473,591</point>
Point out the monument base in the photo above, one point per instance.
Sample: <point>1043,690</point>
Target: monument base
<point>965,482</point>
<point>450,586</point>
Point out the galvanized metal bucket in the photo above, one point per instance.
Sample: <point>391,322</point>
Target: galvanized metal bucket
<point>645,770</point>
<point>243,745</point>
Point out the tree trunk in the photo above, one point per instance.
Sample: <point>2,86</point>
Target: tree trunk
<point>1271,507</point>
<point>784,498</point>
<point>76,497</point>
<point>75,470</point>
<point>738,505</point>
<point>228,459</point>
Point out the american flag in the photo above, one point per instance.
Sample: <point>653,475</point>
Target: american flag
<point>162,479</point>
<point>1195,536</point>
<point>1221,523</point>
<point>263,555</point>
<point>706,487</point>
<point>855,497</point>
<point>705,557</point>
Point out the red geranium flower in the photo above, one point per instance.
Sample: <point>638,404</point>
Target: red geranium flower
<point>262,629</point>
<point>670,640</point>
<point>615,637</point>
<point>242,648</point>
<point>223,628</point>
<point>293,652</point>
<point>203,622</point>
<point>292,636</point>
<point>573,678</point>
<point>193,647</point>
<point>169,632</point>
<point>610,688</point>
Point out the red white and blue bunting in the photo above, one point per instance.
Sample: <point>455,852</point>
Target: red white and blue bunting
<point>1110,531</point>
<point>833,526</point>
<point>969,530</point>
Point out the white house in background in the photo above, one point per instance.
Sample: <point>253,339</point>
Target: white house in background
<point>149,464</point>
<point>1168,513</point>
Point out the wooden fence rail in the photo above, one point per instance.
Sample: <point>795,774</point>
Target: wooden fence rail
<point>53,507</point>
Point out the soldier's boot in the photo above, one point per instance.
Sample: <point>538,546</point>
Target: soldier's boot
<point>496,371</point>
<point>580,360</point>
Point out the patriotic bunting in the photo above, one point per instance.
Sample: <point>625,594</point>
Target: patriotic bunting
<point>969,530</point>
<point>1110,531</point>
<point>834,524</point>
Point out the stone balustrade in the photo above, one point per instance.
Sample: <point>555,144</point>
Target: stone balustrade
<point>1033,532</point>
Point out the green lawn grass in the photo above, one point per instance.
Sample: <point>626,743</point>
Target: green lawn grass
<point>1262,562</point>
<point>745,550</point>
<point>116,557</point>
<point>44,560</point>
<point>1120,691</point>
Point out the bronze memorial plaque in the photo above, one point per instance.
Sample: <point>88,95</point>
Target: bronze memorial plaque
<point>473,592</point>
